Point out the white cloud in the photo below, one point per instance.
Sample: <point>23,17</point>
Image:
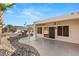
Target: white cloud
<point>32,13</point>
<point>38,13</point>
<point>9,11</point>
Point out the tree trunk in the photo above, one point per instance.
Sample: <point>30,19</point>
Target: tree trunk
<point>1,24</point>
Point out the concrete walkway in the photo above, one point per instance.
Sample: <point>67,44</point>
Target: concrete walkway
<point>52,47</point>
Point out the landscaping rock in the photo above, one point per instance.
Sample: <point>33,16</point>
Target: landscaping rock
<point>22,49</point>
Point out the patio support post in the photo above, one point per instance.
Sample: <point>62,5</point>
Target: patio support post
<point>35,34</point>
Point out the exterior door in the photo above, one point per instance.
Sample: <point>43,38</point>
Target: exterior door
<point>51,32</point>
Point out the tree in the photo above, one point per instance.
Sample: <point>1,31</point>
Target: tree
<point>3,8</point>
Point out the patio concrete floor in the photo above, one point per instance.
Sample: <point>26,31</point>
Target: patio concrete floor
<point>47,47</point>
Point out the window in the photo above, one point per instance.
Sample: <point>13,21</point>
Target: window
<point>39,30</point>
<point>65,30</point>
<point>59,31</point>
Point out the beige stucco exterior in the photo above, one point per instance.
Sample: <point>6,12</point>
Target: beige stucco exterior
<point>73,29</point>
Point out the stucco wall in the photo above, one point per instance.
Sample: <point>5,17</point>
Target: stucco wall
<point>73,30</point>
<point>46,30</point>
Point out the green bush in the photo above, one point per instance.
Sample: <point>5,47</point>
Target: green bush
<point>11,28</point>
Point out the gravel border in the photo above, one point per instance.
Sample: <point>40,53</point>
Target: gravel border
<point>22,49</point>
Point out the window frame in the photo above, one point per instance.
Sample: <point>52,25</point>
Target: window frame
<point>64,31</point>
<point>59,31</point>
<point>39,30</point>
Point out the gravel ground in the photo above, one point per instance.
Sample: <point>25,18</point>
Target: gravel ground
<point>22,49</point>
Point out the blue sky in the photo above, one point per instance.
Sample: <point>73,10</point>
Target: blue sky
<point>30,12</point>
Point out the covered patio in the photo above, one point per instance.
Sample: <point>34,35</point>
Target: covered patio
<point>47,47</point>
